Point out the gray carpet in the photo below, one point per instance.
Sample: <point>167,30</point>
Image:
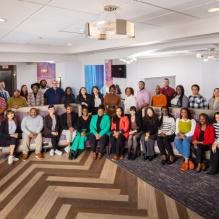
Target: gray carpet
<point>197,191</point>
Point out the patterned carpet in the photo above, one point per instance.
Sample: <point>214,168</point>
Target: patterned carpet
<point>197,191</point>
<point>56,188</point>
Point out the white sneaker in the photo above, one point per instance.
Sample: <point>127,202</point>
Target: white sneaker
<point>15,158</point>
<point>52,152</point>
<point>58,152</point>
<point>67,149</point>
<point>10,159</point>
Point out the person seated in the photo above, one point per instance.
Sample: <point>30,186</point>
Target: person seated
<point>24,91</point>
<point>3,108</point>
<point>111,101</point>
<point>16,101</point>
<point>51,130</point>
<point>203,138</point>
<point>166,135</point>
<point>83,131</point>
<point>185,127</point>
<point>96,100</point>
<point>99,131</point>
<point>213,102</point>
<point>150,127</point>
<point>32,126</point>
<point>158,99</point>
<point>68,97</point>
<point>179,98</point>
<point>9,133</point>
<point>196,100</point>
<point>68,122</point>
<point>129,100</point>
<point>135,132</point>
<point>83,98</point>
<point>35,98</point>
<point>119,133</point>
<point>214,158</point>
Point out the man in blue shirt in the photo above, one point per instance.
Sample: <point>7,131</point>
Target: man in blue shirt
<point>54,94</point>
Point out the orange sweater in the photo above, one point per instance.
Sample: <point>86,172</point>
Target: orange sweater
<point>160,100</point>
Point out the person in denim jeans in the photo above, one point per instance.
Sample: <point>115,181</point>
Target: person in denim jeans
<point>185,127</point>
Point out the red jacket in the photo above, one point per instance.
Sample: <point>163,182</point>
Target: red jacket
<point>209,135</point>
<point>123,126</point>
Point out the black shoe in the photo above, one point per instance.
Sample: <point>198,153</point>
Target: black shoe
<point>133,157</point>
<point>76,154</point>
<point>151,158</point>
<point>163,162</point>
<point>71,154</point>
<point>170,162</point>
<point>145,157</point>
<point>129,156</point>
<point>212,172</point>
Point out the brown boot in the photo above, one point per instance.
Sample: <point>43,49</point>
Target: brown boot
<point>94,156</point>
<point>99,156</point>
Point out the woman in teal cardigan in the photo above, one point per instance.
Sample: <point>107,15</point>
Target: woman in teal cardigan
<point>99,131</point>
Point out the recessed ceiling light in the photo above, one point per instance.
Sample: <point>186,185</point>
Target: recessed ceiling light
<point>2,20</point>
<point>213,10</point>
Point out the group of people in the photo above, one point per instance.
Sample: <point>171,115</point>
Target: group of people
<point>103,119</point>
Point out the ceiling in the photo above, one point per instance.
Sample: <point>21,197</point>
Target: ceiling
<point>61,23</point>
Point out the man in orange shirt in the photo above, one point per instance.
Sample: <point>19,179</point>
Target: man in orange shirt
<point>158,99</point>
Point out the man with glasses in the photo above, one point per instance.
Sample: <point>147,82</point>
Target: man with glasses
<point>54,94</point>
<point>196,100</point>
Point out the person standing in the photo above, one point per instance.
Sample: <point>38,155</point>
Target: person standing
<point>24,91</point>
<point>179,98</point>
<point>68,97</point>
<point>213,102</point>
<point>129,100</point>
<point>3,93</point>
<point>35,98</point>
<point>31,127</point>
<point>54,94</point>
<point>158,99</point>
<point>142,97</point>
<point>83,98</point>
<point>96,100</point>
<point>167,90</point>
<point>43,86</point>
<point>3,108</point>
<point>196,100</point>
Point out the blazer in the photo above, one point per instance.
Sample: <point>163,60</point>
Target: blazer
<point>63,121</point>
<point>124,126</point>
<point>80,99</point>
<point>104,125</point>
<point>209,135</point>
<point>47,124</point>
<point>138,121</point>
<point>211,103</point>
<point>39,101</point>
<point>4,132</point>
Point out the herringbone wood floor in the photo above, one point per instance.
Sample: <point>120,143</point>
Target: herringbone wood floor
<point>84,189</point>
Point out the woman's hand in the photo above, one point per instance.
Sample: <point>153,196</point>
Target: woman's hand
<point>54,133</point>
<point>214,146</point>
<point>83,134</point>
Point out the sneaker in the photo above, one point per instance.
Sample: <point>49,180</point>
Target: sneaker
<point>24,157</point>
<point>58,152</point>
<point>52,152</point>
<point>15,158</point>
<point>67,149</point>
<point>39,156</point>
<point>10,159</point>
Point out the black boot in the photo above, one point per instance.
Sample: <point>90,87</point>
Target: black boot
<point>133,157</point>
<point>129,156</point>
<point>71,154</point>
<point>76,154</point>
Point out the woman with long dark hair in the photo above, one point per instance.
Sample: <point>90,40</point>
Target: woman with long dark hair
<point>119,133</point>
<point>185,127</point>
<point>203,138</point>
<point>24,91</point>
<point>166,135</point>
<point>96,100</point>
<point>179,99</point>
<point>213,102</point>
<point>214,159</point>
<point>9,131</point>
<point>68,97</point>
<point>129,100</point>
<point>150,127</point>
<point>83,98</point>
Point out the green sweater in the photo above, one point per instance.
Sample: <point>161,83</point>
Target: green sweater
<point>185,127</point>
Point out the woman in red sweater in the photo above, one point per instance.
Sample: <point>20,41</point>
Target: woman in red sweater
<point>119,133</point>
<point>203,138</point>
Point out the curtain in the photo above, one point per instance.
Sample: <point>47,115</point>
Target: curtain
<point>94,76</point>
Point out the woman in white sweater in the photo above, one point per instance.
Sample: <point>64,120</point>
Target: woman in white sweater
<point>166,135</point>
<point>129,100</point>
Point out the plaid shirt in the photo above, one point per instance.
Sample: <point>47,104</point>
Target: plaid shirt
<point>38,101</point>
<point>197,102</point>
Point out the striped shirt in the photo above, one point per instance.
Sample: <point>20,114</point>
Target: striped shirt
<point>168,127</point>
<point>216,130</point>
